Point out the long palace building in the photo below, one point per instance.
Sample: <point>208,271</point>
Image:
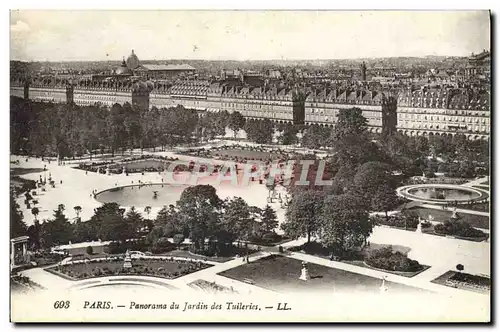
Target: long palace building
<point>412,112</point>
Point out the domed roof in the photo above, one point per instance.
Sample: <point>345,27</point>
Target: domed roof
<point>141,86</point>
<point>123,69</point>
<point>132,61</point>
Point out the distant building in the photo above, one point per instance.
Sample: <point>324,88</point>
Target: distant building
<point>479,64</point>
<point>363,71</point>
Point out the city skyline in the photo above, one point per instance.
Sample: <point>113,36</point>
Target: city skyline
<point>245,35</point>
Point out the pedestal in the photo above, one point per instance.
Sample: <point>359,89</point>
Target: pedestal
<point>383,287</point>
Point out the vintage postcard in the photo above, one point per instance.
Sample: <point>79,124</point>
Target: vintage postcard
<point>250,166</point>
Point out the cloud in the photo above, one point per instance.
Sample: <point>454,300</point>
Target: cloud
<point>20,26</point>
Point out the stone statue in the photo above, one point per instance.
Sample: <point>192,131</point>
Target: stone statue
<point>383,288</point>
<point>304,273</point>
<point>127,264</point>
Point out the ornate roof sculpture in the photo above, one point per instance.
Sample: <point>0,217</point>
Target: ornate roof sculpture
<point>124,69</point>
<point>133,61</point>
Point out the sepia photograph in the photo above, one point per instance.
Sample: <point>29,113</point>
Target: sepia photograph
<point>250,166</point>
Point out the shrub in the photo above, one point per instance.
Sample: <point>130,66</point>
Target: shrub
<point>115,248</point>
<point>90,250</point>
<point>426,224</point>
<point>271,237</point>
<point>458,228</point>
<point>386,259</point>
<point>312,248</point>
<point>429,174</point>
<point>178,239</point>
<point>409,221</point>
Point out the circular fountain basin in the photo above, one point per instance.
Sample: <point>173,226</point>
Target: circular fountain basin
<point>442,193</point>
<point>154,195</point>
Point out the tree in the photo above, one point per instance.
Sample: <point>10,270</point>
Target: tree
<point>259,131</point>
<point>289,135</point>
<point>384,199</point>
<point>268,220</point>
<point>304,214</point>
<point>236,122</point>
<point>345,224</point>
<point>168,220</point>
<point>35,211</point>
<point>370,177</point>
<point>349,138</point>
<point>78,209</point>
<point>199,210</point>
<point>133,222</point>
<point>178,239</point>
<point>147,209</point>
<point>84,231</point>
<point>34,235</point>
<point>108,220</point>
<point>154,235</point>
<point>17,225</point>
<point>460,268</point>
<point>236,221</point>
<point>316,137</point>
<point>58,230</point>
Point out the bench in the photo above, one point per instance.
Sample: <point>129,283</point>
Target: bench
<point>249,281</point>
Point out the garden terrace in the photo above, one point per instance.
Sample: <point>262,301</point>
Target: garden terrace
<point>144,163</point>
<point>458,229</point>
<point>161,267</point>
<point>403,220</point>
<point>280,273</point>
<point>442,215</point>
<point>240,154</point>
<point>388,258</point>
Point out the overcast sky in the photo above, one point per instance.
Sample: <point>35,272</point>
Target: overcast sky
<point>244,35</point>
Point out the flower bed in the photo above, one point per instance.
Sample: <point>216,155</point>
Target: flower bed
<point>155,266</point>
<point>461,280</point>
<point>401,221</point>
<point>458,228</point>
<point>144,163</point>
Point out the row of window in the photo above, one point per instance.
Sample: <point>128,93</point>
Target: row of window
<point>443,111</point>
<point>412,125</point>
<point>417,117</point>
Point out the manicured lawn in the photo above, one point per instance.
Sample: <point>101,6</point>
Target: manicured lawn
<point>482,207</point>
<point>169,269</point>
<point>359,259</point>
<point>141,164</point>
<point>441,215</point>
<point>21,171</point>
<point>281,274</point>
